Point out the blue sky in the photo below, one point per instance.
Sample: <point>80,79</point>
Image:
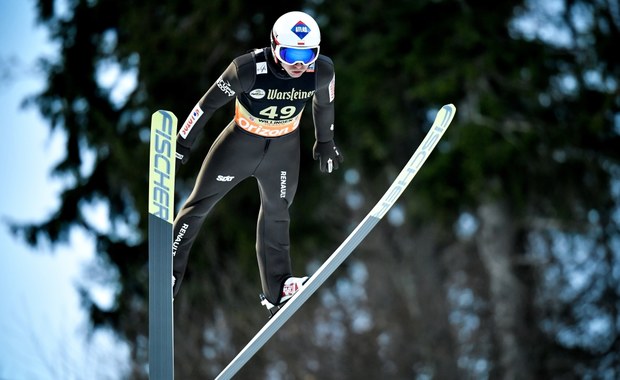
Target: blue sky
<point>42,327</point>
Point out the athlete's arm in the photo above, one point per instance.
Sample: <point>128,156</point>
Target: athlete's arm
<point>325,149</point>
<point>323,101</point>
<point>232,81</point>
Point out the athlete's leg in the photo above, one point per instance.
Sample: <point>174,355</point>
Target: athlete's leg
<point>232,158</point>
<point>277,178</point>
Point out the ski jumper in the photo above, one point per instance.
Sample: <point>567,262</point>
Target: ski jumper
<point>262,141</point>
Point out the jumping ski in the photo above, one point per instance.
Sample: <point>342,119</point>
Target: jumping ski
<point>441,123</point>
<point>161,210</point>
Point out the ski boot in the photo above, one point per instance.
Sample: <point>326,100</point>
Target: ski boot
<point>291,286</point>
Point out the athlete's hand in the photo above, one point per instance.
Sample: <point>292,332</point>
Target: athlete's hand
<point>328,155</point>
<point>182,154</point>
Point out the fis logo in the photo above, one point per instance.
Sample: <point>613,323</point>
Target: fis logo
<point>261,68</point>
<point>224,178</point>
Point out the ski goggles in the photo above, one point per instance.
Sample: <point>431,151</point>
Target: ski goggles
<point>293,55</point>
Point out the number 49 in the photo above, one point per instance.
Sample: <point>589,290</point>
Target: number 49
<point>272,112</point>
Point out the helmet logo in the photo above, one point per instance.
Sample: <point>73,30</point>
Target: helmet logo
<point>301,30</point>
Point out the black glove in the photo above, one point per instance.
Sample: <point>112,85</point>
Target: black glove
<point>182,154</point>
<point>328,155</point>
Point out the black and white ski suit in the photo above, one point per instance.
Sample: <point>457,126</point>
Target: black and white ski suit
<point>262,141</point>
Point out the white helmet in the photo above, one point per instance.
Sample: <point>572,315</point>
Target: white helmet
<point>295,38</point>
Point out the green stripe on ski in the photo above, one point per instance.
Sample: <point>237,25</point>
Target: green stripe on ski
<point>162,162</point>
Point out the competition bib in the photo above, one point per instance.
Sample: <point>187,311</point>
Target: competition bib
<point>264,127</point>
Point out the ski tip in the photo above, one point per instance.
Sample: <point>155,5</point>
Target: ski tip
<point>448,110</point>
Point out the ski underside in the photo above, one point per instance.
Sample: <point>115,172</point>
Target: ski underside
<point>441,123</point>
